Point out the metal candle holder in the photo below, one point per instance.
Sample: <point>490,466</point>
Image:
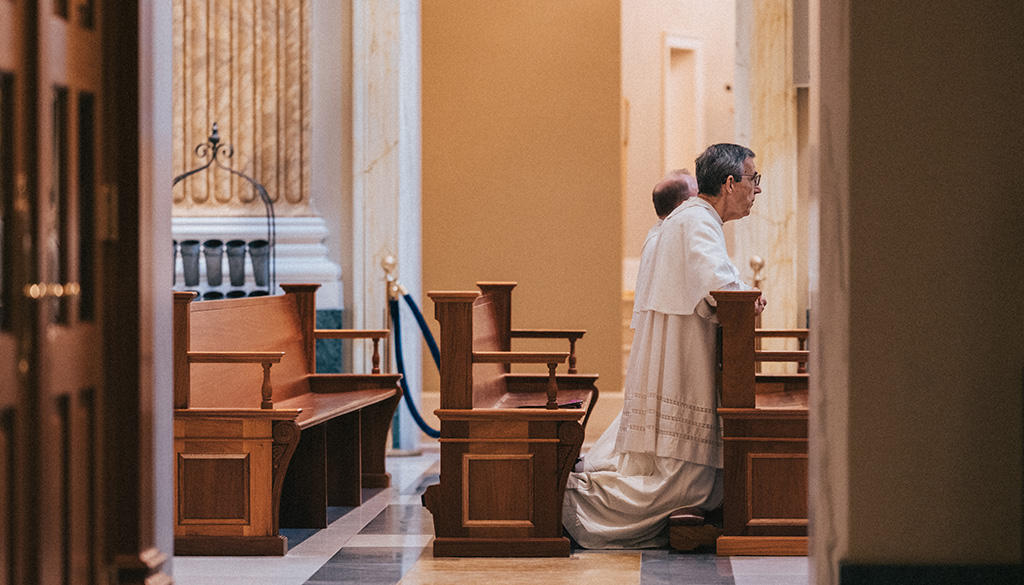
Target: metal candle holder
<point>215,154</point>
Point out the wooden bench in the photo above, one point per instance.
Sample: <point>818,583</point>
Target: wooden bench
<point>508,441</point>
<point>261,440</point>
<point>764,430</point>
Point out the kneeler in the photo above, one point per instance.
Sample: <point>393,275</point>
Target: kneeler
<point>690,528</point>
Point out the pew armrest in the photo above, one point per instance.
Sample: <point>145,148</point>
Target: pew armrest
<point>570,334</point>
<point>266,358</point>
<point>799,334</point>
<point>375,334</point>
<point>783,333</point>
<point>519,357</point>
<point>350,333</point>
<point>552,359</point>
<point>235,357</point>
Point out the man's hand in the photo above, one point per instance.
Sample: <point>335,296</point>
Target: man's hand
<point>759,305</point>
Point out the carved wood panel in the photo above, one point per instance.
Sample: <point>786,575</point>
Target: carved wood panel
<point>224,477</point>
<point>245,65</point>
<point>782,497</point>
<point>227,473</point>
<point>497,490</point>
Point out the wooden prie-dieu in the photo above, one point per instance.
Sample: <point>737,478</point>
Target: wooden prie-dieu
<point>262,440</point>
<point>764,430</point>
<point>508,441</point>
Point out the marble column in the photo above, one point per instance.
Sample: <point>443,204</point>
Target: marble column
<point>766,121</point>
<point>386,174</point>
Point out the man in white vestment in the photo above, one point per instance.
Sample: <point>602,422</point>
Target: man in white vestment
<point>664,450</point>
<point>669,193</point>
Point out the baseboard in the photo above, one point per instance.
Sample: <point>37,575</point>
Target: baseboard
<point>864,574</point>
<point>762,546</point>
<point>232,546</point>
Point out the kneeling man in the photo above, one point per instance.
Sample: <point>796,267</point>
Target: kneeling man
<point>664,450</point>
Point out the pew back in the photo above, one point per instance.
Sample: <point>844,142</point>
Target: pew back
<point>488,378</point>
<point>245,391</point>
<point>506,445</point>
<point>764,430</point>
<point>269,323</point>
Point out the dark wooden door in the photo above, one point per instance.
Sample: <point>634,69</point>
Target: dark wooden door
<point>64,73</point>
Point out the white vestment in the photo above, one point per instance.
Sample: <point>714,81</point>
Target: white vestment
<point>664,451</point>
<point>642,288</point>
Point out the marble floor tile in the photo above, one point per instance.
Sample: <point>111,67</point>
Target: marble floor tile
<point>770,570</point>
<point>772,580</point>
<point>591,569</point>
<point>665,567</point>
<point>401,519</point>
<point>253,570</point>
<point>390,540</point>
<point>769,565</point>
<point>367,565</point>
<point>406,471</point>
<point>428,478</point>
<point>408,499</point>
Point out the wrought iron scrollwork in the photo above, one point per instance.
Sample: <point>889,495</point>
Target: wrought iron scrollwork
<point>217,154</point>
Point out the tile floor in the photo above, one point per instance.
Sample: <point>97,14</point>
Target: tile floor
<point>386,541</point>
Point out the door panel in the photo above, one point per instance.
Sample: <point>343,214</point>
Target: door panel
<point>68,359</point>
<point>52,386</point>
<point>15,321</point>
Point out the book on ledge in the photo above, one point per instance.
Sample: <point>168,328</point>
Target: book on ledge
<point>566,404</point>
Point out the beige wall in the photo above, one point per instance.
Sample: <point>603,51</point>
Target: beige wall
<point>708,26</point>
<point>916,451</point>
<point>521,163</point>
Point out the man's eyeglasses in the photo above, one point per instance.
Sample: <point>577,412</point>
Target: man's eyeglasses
<point>755,178</point>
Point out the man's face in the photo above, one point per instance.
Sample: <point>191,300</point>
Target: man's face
<point>741,198</point>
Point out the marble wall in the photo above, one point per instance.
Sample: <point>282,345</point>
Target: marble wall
<point>766,121</point>
<point>385,200</point>
<point>245,65</point>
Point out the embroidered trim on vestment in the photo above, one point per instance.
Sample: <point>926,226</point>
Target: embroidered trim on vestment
<point>715,443</point>
<point>676,419</point>
<point>645,395</point>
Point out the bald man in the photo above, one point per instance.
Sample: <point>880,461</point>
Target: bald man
<point>668,194</point>
<point>671,191</point>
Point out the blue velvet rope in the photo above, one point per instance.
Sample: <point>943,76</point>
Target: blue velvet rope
<point>393,309</point>
<point>427,335</point>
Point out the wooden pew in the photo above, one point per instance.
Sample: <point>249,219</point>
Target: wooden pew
<point>261,440</point>
<point>506,446</point>
<point>764,429</point>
